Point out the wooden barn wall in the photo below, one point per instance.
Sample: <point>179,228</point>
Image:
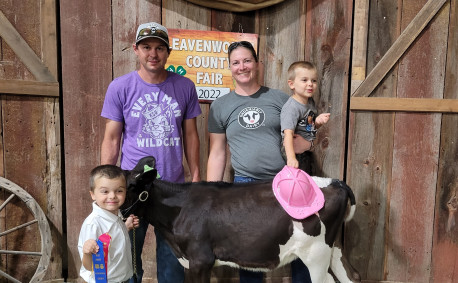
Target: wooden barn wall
<point>86,42</point>
<point>445,238</point>
<point>402,166</point>
<point>92,57</point>
<point>30,141</point>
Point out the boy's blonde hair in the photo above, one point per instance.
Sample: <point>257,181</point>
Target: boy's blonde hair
<point>107,171</point>
<point>299,64</point>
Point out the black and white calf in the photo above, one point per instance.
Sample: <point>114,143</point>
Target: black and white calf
<point>241,225</point>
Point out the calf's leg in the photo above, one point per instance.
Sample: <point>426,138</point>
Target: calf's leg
<point>342,269</point>
<point>201,261</point>
<point>196,275</point>
<point>318,259</point>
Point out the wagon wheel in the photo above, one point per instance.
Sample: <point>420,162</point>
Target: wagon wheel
<point>14,192</point>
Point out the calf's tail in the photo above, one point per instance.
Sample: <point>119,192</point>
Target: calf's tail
<point>351,197</point>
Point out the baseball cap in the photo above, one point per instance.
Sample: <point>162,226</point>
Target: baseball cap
<point>152,30</point>
<point>297,193</point>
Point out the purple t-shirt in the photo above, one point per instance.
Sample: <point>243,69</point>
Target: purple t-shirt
<point>152,115</point>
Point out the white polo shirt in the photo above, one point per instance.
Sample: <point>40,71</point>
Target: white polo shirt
<point>119,263</point>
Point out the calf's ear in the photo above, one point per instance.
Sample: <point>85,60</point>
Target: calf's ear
<point>149,161</point>
<point>141,180</point>
<point>143,173</point>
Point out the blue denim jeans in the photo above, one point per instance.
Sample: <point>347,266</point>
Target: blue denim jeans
<point>299,272</point>
<point>169,269</point>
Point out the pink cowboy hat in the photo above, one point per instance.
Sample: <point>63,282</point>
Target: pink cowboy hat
<point>296,191</point>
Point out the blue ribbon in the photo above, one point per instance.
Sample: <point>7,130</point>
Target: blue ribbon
<point>98,263</point>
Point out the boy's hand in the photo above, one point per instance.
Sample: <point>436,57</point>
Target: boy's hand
<point>322,119</point>
<point>132,222</point>
<point>292,162</point>
<point>90,247</point>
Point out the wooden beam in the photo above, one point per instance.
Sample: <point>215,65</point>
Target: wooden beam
<point>404,104</point>
<point>21,87</point>
<point>398,48</point>
<point>49,35</point>
<point>359,52</point>
<point>23,51</point>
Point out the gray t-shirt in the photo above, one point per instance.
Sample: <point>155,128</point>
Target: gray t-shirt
<point>252,128</point>
<point>300,118</point>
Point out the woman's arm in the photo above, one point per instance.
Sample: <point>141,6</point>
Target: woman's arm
<point>217,158</point>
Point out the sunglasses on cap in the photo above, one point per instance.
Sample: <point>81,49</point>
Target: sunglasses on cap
<point>145,32</point>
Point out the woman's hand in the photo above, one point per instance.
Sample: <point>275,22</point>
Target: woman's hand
<point>300,144</point>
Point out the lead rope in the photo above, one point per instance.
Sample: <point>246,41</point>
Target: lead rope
<point>142,197</point>
<point>134,256</point>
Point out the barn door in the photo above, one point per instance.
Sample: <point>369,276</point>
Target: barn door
<point>30,153</point>
<point>402,151</point>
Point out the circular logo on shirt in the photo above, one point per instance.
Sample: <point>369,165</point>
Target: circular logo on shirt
<point>251,117</point>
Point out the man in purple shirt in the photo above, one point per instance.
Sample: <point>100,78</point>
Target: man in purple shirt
<point>154,112</point>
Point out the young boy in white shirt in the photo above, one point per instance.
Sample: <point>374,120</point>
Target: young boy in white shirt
<point>108,190</point>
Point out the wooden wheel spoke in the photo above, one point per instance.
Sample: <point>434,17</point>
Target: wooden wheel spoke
<point>43,229</point>
<point>9,277</point>
<point>20,253</point>
<point>18,227</point>
<point>7,201</point>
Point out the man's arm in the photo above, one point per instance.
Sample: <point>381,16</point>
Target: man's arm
<point>111,142</point>
<point>217,158</point>
<point>191,147</point>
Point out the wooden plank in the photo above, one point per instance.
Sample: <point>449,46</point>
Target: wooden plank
<point>25,160</point>
<point>23,51</point>
<point>329,26</point>
<point>360,29</point>
<point>369,160</point>
<point>86,40</point>
<point>279,22</point>
<point>48,33</point>
<point>404,104</point>
<point>236,5</point>
<point>126,18</point>
<point>416,152</point>
<point>409,34</point>
<point>197,18</point>
<point>35,88</point>
<point>51,120</point>
<point>445,241</point>
<point>23,138</point>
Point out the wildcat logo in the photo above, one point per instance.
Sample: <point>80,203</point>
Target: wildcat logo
<point>158,122</point>
<point>251,117</point>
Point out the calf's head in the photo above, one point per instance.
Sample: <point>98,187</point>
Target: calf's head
<point>139,181</point>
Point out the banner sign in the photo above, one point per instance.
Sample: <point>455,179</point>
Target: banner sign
<point>202,57</point>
